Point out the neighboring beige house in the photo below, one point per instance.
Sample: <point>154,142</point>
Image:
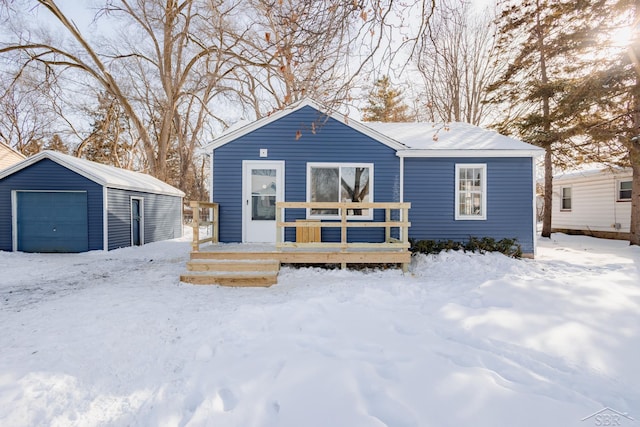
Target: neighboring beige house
<point>8,156</point>
<point>594,202</point>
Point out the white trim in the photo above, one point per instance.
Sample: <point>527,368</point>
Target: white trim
<point>402,198</point>
<point>469,153</point>
<point>105,219</point>
<point>211,186</point>
<point>354,124</point>
<point>14,220</point>
<point>535,207</point>
<point>619,181</point>
<point>246,189</point>
<point>141,200</point>
<point>562,208</point>
<point>401,181</point>
<point>483,183</point>
<point>339,165</point>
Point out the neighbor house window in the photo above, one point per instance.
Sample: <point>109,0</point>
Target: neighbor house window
<point>340,182</point>
<point>471,191</point>
<point>624,191</point>
<point>566,198</point>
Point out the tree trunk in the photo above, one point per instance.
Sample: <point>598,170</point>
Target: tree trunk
<point>548,194</point>
<point>634,237</point>
<point>633,142</point>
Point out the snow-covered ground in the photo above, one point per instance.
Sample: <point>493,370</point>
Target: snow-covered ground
<point>113,339</point>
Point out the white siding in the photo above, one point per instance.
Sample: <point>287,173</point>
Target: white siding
<point>594,205</point>
<point>8,157</point>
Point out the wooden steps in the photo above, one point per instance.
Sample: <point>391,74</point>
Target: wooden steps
<point>231,271</point>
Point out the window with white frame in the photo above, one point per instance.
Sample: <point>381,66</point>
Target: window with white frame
<point>340,182</point>
<point>471,192</point>
<point>624,191</point>
<point>566,199</point>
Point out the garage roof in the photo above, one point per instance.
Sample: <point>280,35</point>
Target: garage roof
<point>107,176</point>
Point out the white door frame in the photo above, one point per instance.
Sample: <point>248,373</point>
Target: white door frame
<point>141,225</point>
<point>247,166</point>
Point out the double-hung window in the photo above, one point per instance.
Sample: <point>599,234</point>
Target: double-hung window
<point>471,192</point>
<point>566,199</point>
<point>340,182</point>
<point>624,191</point>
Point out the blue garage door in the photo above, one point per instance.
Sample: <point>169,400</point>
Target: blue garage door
<point>52,221</point>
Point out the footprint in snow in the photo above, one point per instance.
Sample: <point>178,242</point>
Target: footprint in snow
<point>225,400</point>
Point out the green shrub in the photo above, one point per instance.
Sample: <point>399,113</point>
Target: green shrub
<point>509,247</point>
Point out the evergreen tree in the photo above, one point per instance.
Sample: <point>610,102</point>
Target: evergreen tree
<point>56,144</point>
<point>385,104</point>
<point>603,104</point>
<point>107,142</point>
<point>545,36</point>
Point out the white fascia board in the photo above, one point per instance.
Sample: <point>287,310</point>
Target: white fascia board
<point>470,153</point>
<point>105,219</point>
<point>354,124</point>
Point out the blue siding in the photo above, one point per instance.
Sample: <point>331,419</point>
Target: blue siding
<point>48,175</point>
<point>332,141</point>
<point>162,217</point>
<point>430,187</point>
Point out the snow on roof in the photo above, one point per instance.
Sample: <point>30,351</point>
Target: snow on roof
<point>454,136</point>
<point>107,176</point>
<point>591,169</point>
<point>408,139</point>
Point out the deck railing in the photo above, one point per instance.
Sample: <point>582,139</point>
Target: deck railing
<point>344,223</point>
<point>205,214</point>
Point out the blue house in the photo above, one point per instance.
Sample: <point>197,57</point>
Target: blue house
<point>53,202</point>
<point>461,180</point>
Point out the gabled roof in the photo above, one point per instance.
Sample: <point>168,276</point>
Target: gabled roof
<point>408,139</point>
<point>243,128</point>
<point>107,176</point>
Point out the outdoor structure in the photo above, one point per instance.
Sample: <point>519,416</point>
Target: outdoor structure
<point>595,202</point>
<point>357,184</point>
<point>53,202</point>
<point>9,156</point>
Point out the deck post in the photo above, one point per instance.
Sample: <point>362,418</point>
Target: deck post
<point>404,232</point>
<point>279,210</point>
<point>214,233</point>
<point>387,229</point>
<point>195,206</point>
<point>343,232</point>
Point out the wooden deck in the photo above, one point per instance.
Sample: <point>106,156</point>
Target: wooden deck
<point>238,264</point>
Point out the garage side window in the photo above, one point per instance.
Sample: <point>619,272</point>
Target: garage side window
<point>471,192</point>
<point>566,198</point>
<point>340,182</point>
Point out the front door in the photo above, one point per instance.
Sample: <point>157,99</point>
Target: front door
<point>263,186</point>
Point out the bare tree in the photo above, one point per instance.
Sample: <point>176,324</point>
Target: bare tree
<point>457,61</point>
<point>175,61</point>
<point>306,48</point>
<point>25,120</point>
